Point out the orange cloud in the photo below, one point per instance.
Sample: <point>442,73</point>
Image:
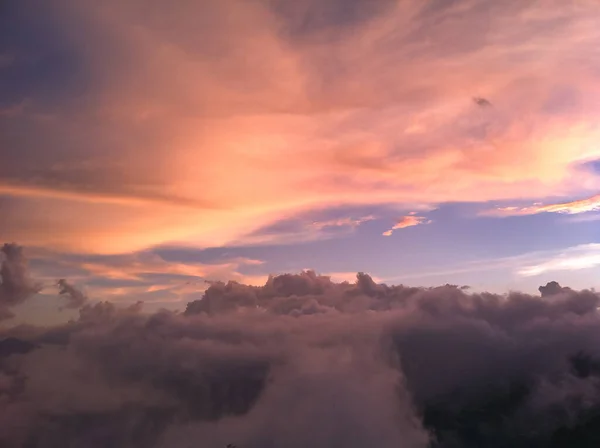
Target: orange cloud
<point>407,221</point>
<point>134,266</point>
<point>570,208</point>
<point>203,132</point>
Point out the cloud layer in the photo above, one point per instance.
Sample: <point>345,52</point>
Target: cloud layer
<point>304,361</point>
<point>370,103</point>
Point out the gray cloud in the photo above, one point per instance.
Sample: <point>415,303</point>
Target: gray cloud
<point>304,361</point>
<point>75,298</point>
<point>552,288</point>
<point>16,285</point>
<point>482,102</point>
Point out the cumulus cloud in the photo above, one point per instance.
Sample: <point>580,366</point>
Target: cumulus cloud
<point>585,218</point>
<point>407,221</point>
<point>16,285</point>
<point>305,361</point>
<point>552,288</point>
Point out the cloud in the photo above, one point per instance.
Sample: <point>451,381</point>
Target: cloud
<point>302,229</point>
<point>570,208</point>
<point>146,275</point>
<point>482,102</point>
<point>572,259</point>
<point>75,298</point>
<point>136,266</point>
<point>528,264</point>
<point>342,222</point>
<point>16,286</point>
<point>305,361</point>
<point>335,108</point>
<point>407,221</point>
<point>134,200</point>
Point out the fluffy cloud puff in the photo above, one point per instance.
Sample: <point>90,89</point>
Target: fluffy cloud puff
<point>303,361</point>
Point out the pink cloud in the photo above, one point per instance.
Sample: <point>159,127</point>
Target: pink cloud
<point>407,221</point>
<point>206,150</point>
<point>570,208</point>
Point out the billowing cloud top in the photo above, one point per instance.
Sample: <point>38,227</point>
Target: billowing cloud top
<point>304,361</point>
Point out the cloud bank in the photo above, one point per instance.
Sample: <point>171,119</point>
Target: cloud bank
<point>304,361</point>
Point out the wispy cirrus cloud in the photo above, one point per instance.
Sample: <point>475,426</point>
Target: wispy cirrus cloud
<point>342,222</point>
<point>529,264</point>
<point>302,229</point>
<point>339,109</point>
<point>572,259</point>
<point>7,59</point>
<point>570,208</point>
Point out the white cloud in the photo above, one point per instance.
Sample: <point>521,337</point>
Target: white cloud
<point>527,264</point>
<point>575,258</point>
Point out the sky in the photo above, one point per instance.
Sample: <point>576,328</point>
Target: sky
<point>283,223</point>
<point>146,148</point>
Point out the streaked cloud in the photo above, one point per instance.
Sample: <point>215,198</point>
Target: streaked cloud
<point>137,265</point>
<point>372,108</point>
<point>407,221</point>
<point>301,229</point>
<point>342,222</point>
<point>102,198</point>
<point>523,265</point>
<point>570,208</point>
<point>572,259</point>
